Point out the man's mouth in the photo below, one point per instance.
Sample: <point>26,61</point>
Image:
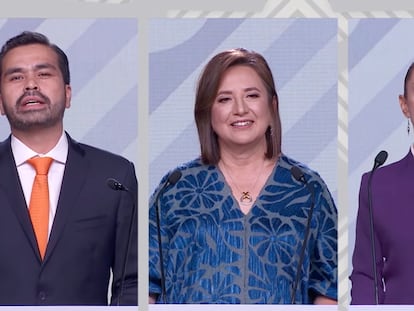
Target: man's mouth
<point>32,102</point>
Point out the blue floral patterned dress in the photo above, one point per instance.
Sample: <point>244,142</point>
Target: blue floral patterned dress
<point>213,253</point>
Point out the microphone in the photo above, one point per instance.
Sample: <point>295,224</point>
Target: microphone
<point>379,160</point>
<point>298,174</point>
<point>171,181</point>
<point>117,186</point>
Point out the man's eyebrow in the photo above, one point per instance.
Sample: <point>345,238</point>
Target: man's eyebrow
<point>13,70</point>
<point>45,65</point>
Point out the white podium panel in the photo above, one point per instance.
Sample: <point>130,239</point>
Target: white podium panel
<point>215,307</point>
<point>67,308</point>
<point>180,307</point>
<point>210,307</point>
<point>381,308</point>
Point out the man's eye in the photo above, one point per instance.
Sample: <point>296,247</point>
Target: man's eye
<point>16,77</point>
<point>44,74</point>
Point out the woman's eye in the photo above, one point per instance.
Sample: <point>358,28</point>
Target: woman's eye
<point>253,95</point>
<point>224,99</point>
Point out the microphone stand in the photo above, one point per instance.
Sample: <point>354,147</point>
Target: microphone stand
<point>172,180</point>
<point>379,160</point>
<point>117,186</point>
<point>299,176</point>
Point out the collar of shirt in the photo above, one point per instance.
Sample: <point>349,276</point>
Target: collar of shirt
<point>22,153</point>
<point>27,173</point>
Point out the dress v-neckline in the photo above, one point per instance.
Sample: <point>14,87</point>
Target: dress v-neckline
<point>254,203</point>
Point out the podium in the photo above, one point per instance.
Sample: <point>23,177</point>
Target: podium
<point>171,307</point>
<point>381,308</point>
<point>67,308</point>
<point>215,307</point>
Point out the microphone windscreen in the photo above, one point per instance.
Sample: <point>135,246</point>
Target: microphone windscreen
<point>174,177</point>
<point>115,185</point>
<point>297,173</point>
<point>112,183</point>
<point>381,158</point>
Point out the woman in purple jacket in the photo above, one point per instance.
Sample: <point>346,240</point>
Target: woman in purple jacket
<point>392,193</point>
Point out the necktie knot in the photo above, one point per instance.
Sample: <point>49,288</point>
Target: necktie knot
<point>41,164</point>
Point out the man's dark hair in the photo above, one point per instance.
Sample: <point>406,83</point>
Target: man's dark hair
<point>29,37</point>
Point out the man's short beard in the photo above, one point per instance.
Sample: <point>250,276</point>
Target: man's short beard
<point>25,125</point>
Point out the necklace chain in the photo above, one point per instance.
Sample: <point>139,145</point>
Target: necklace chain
<point>246,197</point>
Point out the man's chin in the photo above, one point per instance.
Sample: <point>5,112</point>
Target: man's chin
<point>32,125</point>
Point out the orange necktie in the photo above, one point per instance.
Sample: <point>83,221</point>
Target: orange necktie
<point>39,201</point>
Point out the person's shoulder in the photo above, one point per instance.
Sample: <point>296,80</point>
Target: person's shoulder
<point>398,168</point>
<point>96,153</point>
<point>311,176</point>
<point>182,171</point>
<point>288,162</point>
<point>190,167</point>
<point>194,165</point>
<point>5,144</point>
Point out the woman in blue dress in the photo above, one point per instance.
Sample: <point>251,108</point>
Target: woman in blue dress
<point>234,226</point>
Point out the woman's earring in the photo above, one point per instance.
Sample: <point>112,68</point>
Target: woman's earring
<point>408,126</point>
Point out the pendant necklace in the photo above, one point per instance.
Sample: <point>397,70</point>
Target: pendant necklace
<point>246,197</point>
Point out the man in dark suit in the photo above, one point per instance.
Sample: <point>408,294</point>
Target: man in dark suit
<point>89,224</point>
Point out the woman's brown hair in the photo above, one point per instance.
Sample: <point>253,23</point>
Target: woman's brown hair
<point>207,88</point>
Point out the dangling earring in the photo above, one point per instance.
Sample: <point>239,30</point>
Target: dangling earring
<point>408,126</point>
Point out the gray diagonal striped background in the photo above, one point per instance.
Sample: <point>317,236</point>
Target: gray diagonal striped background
<point>351,114</point>
<point>102,58</point>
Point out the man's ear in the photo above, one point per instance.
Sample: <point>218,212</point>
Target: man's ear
<point>1,106</point>
<point>68,95</point>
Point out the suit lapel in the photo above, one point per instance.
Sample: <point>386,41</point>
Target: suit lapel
<point>14,193</point>
<point>76,170</point>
